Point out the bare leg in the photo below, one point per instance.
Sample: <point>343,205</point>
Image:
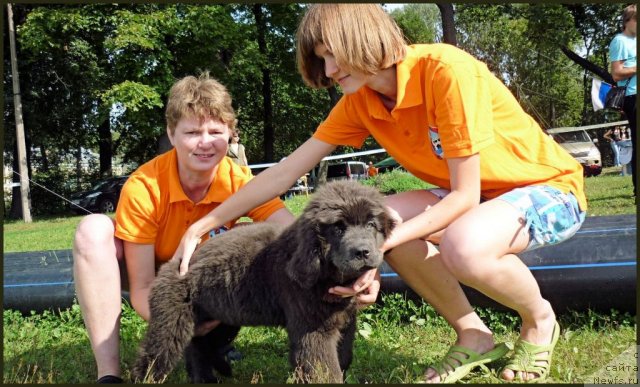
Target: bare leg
<point>420,265</point>
<point>96,271</point>
<point>478,249</point>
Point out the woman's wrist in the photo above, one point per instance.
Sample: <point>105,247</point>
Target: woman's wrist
<point>198,229</point>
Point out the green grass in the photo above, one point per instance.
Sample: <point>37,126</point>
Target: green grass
<point>394,344</point>
<point>396,340</point>
<point>41,234</point>
<point>610,193</point>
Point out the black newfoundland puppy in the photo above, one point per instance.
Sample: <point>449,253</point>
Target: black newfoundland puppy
<point>266,274</point>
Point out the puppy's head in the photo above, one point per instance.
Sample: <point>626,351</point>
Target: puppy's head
<point>339,234</point>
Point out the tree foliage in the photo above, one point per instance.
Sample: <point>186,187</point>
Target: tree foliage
<point>95,77</point>
<point>420,23</point>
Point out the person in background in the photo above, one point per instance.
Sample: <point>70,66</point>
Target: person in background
<point>613,136</point>
<point>625,150</point>
<point>623,56</point>
<point>372,170</point>
<point>449,121</point>
<point>236,150</point>
<point>159,201</point>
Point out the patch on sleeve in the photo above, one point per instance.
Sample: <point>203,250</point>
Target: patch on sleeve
<point>436,144</point>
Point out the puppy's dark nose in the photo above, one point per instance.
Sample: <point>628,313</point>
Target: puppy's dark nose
<point>362,254</point>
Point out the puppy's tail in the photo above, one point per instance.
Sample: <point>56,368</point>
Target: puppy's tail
<point>171,326</point>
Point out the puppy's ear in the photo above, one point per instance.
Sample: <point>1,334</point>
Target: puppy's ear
<point>388,223</point>
<point>304,265</point>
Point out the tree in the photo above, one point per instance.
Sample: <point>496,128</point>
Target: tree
<point>519,44</point>
<point>448,25</point>
<point>596,25</point>
<point>420,23</point>
<point>96,76</point>
<point>296,110</point>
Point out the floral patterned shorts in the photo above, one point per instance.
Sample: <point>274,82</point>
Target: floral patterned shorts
<point>551,215</point>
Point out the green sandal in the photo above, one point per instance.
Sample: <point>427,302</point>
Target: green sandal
<point>459,361</point>
<point>533,358</point>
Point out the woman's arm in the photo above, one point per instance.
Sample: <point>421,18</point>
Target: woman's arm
<point>465,194</point>
<point>140,260</point>
<point>267,185</point>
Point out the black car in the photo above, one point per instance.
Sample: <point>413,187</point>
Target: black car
<point>102,197</point>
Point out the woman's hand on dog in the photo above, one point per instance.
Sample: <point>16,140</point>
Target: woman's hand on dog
<point>185,250</point>
<point>365,288</point>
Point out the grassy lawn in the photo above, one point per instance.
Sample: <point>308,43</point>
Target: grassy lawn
<point>610,193</point>
<point>396,339</point>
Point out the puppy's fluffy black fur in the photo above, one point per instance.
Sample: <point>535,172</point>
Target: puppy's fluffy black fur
<point>265,274</point>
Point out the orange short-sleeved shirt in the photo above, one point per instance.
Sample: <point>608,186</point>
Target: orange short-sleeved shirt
<point>153,208</point>
<point>450,105</point>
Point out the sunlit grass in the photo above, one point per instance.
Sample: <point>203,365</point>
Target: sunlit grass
<point>394,344</point>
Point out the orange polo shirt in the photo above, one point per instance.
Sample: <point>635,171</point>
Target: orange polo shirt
<point>153,208</point>
<point>450,105</point>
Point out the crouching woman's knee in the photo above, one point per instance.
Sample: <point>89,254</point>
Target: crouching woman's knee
<point>95,233</point>
<point>458,257</point>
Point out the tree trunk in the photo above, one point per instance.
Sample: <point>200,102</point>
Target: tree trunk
<point>45,159</point>
<point>79,173</point>
<point>267,116</point>
<point>105,148</point>
<point>448,23</point>
<point>321,178</point>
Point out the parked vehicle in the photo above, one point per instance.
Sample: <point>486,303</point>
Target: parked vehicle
<point>347,170</point>
<point>583,149</point>
<point>102,197</point>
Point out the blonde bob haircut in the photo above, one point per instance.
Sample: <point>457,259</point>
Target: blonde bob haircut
<point>199,97</point>
<point>362,37</point>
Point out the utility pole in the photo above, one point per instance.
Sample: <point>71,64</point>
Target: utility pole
<point>22,149</point>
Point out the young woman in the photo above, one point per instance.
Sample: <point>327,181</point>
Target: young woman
<point>505,186</point>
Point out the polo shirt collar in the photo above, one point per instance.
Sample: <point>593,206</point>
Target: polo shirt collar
<point>407,72</point>
<point>407,96</point>
<point>218,191</point>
